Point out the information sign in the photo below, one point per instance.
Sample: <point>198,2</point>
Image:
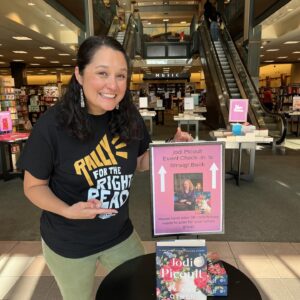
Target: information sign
<point>187,185</point>
<point>238,110</point>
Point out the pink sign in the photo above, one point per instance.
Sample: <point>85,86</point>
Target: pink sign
<point>187,188</point>
<point>238,110</point>
<point>5,121</point>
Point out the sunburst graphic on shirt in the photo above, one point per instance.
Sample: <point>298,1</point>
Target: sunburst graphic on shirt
<point>121,145</point>
<point>102,156</point>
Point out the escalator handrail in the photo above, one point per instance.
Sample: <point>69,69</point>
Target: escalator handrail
<point>275,115</point>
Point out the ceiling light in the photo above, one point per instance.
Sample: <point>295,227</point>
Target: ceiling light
<point>47,48</point>
<point>33,64</point>
<point>59,68</point>
<point>272,50</point>
<point>269,61</point>
<point>18,59</point>
<point>48,15</point>
<point>63,54</point>
<point>20,51</point>
<point>30,3</point>
<point>1,55</point>
<point>290,9</point>
<point>22,38</point>
<point>54,62</point>
<point>39,57</point>
<point>67,66</point>
<point>2,63</point>
<point>281,57</point>
<point>183,22</point>
<point>165,20</point>
<point>261,55</point>
<point>296,52</point>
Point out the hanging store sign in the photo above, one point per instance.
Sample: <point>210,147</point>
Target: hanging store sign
<point>166,76</point>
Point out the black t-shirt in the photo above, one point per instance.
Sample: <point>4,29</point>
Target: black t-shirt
<point>101,168</point>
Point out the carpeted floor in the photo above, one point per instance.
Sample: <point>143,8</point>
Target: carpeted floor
<point>266,210</point>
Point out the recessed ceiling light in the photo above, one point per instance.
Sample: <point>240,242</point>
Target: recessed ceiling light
<point>165,20</point>
<point>30,3</point>
<point>20,51</point>
<point>33,64</point>
<point>292,42</point>
<point>48,15</point>
<point>44,70</point>
<point>272,50</point>
<point>67,66</point>
<point>183,22</point>
<point>281,57</point>
<point>54,62</point>
<point>74,59</point>
<point>59,68</point>
<point>261,55</point>
<point>22,38</point>
<point>18,59</point>
<point>269,61</point>
<point>47,48</point>
<point>296,52</point>
<point>290,9</point>
<point>39,57</point>
<point>29,71</point>
<point>63,54</point>
<point>2,63</point>
<point>1,55</point>
<point>261,47</point>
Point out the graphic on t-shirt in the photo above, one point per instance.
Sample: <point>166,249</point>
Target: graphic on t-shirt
<point>103,174</point>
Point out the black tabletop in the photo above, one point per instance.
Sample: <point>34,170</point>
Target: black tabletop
<point>136,280</point>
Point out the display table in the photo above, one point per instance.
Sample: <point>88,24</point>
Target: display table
<point>136,280</point>
<point>148,116</point>
<point>6,141</point>
<point>189,119</point>
<point>240,143</point>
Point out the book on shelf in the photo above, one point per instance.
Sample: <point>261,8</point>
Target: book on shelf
<point>181,270</point>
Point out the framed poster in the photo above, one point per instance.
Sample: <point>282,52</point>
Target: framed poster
<point>238,110</point>
<point>187,188</point>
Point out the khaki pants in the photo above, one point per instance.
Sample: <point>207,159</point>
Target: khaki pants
<point>75,277</point>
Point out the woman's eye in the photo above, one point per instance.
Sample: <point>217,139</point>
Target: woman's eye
<point>121,76</point>
<point>102,74</point>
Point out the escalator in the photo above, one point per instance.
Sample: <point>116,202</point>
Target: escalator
<point>130,38</point>
<point>227,78</point>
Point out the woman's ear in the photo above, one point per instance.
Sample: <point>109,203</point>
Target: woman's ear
<point>77,75</point>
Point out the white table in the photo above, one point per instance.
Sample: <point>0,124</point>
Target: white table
<point>239,143</point>
<point>190,120</point>
<point>148,116</point>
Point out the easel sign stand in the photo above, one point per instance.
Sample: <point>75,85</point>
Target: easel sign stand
<point>187,188</point>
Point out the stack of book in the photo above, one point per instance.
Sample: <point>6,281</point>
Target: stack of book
<point>217,276</point>
<point>184,270</point>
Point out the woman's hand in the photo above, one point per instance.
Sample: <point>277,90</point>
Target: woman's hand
<point>87,210</point>
<point>182,136</point>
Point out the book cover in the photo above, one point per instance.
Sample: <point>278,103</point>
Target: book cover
<point>217,290</point>
<point>181,270</point>
<point>215,269</point>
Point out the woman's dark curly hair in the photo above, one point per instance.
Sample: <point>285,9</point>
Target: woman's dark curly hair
<point>122,122</point>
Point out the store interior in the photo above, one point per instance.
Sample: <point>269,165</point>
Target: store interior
<point>38,47</point>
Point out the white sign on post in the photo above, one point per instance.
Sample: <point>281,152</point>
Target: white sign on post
<point>159,103</point>
<point>188,103</point>
<point>143,102</point>
<point>296,103</point>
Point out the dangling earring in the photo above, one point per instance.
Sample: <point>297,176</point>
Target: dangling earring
<point>117,107</point>
<point>82,103</point>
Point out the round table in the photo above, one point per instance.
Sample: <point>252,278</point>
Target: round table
<point>136,280</point>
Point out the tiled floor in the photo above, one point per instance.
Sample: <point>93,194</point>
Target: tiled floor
<point>273,267</point>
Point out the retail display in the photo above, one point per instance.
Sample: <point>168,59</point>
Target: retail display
<point>8,99</point>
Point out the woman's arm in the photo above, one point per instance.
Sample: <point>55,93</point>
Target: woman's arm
<point>39,193</point>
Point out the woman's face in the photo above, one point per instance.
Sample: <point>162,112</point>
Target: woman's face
<point>104,80</point>
<point>186,185</point>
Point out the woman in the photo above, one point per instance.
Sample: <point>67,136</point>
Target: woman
<point>79,162</point>
<point>185,199</point>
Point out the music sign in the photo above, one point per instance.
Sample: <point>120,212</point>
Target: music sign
<point>187,185</point>
<point>238,110</point>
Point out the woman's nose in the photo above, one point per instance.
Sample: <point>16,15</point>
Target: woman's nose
<point>111,82</point>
